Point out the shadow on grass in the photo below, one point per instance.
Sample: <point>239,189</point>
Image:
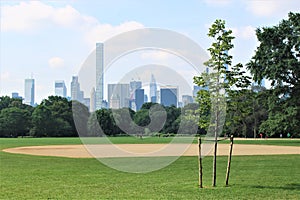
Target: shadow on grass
<point>292,186</point>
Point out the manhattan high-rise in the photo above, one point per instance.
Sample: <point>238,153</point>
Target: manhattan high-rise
<point>60,88</point>
<point>153,89</point>
<point>99,75</point>
<point>29,91</point>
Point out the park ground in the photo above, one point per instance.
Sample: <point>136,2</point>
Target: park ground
<point>48,177</point>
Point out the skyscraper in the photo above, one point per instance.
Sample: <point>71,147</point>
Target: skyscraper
<point>99,75</point>
<point>153,89</point>
<point>169,95</point>
<point>118,95</point>
<point>76,93</point>
<point>134,86</point>
<point>60,88</point>
<point>29,91</point>
<point>86,102</point>
<point>75,88</point>
<point>139,98</point>
<point>93,100</point>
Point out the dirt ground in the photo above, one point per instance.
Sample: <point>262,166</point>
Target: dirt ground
<point>146,150</point>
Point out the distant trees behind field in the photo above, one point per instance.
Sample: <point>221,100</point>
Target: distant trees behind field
<point>54,117</point>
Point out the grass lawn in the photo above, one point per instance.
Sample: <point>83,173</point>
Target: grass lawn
<point>37,177</point>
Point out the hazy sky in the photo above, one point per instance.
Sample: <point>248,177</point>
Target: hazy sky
<point>51,39</point>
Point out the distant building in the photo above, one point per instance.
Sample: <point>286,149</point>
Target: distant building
<point>75,88</point>
<point>196,89</point>
<point>15,95</point>
<point>145,98</point>
<point>180,104</point>
<point>60,88</point>
<point>104,104</point>
<point>81,97</point>
<point>187,99</point>
<point>86,102</point>
<point>99,75</point>
<point>134,86</point>
<point>29,91</point>
<point>169,96</point>
<point>114,102</point>
<point>76,93</point>
<point>158,96</point>
<point>93,100</point>
<point>153,90</point>
<point>118,95</point>
<point>139,98</point>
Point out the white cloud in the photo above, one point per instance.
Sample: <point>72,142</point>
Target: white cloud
<point>268,8</point>
<point>56,62</point>
<point>34,15</point>
<point>23,16</point>
<point>101,32</point>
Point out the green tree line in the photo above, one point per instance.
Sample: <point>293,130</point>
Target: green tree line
<point>58,117</point>
<point>54,117</point>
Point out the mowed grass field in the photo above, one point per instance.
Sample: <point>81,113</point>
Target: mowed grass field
<point>252,177</point>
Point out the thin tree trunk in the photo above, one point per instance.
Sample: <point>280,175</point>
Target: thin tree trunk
<point>200,163</point>
<point>215,164</point>
<point>229,160</point>
<point>215,150</point>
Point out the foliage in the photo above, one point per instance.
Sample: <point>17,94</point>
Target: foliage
<point>54,118</point>
<point>80,116</point>
<point>246,110</point>
<point>14,117</point>
<point>14,121</point>
<point>277,58</point>
<point>171,125</point>
<point>220,82</point>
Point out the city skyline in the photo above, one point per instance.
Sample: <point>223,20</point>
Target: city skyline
<point>132,93</point>
<point>56,55</point>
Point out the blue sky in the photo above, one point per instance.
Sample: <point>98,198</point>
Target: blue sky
<point>51,39</point>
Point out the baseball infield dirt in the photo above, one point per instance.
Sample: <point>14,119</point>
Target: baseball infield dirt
<point>146,150</point>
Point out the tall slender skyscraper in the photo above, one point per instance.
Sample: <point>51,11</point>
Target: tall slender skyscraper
<point>153,89</point>
<point>75,88</point>
<point>29,91</point>
<point>93,100</point>
<point>99,75</point>
<point>60,88</point>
